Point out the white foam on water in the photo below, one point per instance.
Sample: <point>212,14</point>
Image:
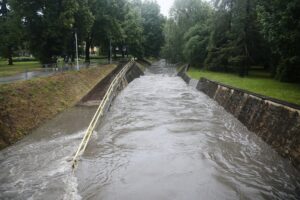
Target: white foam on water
<point>193,83</point>
<point>71,185</point>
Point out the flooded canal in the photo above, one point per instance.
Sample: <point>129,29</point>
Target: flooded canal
<point>161,140</point>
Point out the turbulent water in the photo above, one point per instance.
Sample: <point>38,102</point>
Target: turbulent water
<point>161,139</point>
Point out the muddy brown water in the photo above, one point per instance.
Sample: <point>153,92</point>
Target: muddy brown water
<point>160,140</point>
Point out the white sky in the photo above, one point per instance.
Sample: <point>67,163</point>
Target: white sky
<point>165,6</point>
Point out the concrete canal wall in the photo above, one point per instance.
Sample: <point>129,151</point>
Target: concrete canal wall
<point>94,96</point>
<point>133,73</point>
<point>276,122</point>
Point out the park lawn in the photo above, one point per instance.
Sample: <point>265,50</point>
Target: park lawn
<point>256,82</point>
<point>101,61</point>
<point>17,67</point>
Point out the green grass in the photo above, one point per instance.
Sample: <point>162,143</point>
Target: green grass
<point>99,61</point>
<point>257,82</point>
<point>18,67</point>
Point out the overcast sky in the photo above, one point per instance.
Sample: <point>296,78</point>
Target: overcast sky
<point>165,5</point>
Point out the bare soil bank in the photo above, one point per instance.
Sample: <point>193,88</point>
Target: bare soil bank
<point>27,104</point>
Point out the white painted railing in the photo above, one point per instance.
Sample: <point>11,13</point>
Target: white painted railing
<point>100,112</point>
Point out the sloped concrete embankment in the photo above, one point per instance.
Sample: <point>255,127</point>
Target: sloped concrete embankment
<point>25,105</point>
<point>94,97</point>
<point>276,122</point>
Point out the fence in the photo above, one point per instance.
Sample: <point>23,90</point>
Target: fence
<point>101,110</point>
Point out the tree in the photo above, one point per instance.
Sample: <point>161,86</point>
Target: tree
<point>153,23</point>
<point>107,26</point>
<point>83,21</point>
<point>173,42</point>
<point>48,25</point>
<point>280,25</point>
<point>236,42</point>
<point>10,32</point>
<point>196,42</point>
<point>134,33</point>
<point>187,31</point>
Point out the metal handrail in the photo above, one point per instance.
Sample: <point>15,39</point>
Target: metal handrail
<point>99,113</point>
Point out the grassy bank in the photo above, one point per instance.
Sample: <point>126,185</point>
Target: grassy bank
<point>18,67</point>
<point>26,104</point>
<point>257,82</point>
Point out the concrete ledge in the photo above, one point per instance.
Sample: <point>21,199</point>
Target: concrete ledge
<point>291,105</point>
<point>275,121</point>
<point>98,92</point>
<point>94,97</point>
<point>183,75</point>
<point>133,73</point>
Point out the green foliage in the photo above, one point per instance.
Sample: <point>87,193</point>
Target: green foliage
<point>134,25</point>
<point>241,46</point>
<point>280,25</point>
<point>173,41</point>
<point>233,35</point>
<point>225,35</point>
<point>187,31</point>
<point>134,33</point>
<point>47,25</point>
<point>196,42</point>
<point>10,31</point>
<point>152,22</point>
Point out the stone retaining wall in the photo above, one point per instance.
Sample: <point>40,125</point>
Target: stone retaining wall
<point>276,122</point>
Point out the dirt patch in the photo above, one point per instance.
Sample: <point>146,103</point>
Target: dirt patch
<point>27,104</point>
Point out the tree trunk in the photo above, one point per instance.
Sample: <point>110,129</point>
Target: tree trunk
<point>123,53</point>
<point>87,49</point>
<point>108,55</point>
<point>246,42</point>
<point>10,59</point>
<point>115,53</point>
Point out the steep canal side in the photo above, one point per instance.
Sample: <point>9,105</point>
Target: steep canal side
<point>39,166</point>
<point>164,140</point>
<point>25,105</point>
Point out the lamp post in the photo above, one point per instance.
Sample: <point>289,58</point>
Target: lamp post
<point>76,43</point>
